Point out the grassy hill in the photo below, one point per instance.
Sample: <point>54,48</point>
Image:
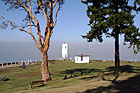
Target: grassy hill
<point>70,77</point>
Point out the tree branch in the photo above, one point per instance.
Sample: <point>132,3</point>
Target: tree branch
<point>30,28</point>
<point>42,8</point>
<point>38,27</point>
<point>13,2</point>
<point>57,14</point>
<point>13,25</point>
<point>30,5</point>
<point>55,3</point>
<point>50,27</point>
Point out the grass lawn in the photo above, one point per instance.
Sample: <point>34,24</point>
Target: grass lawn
<point>78,78</point>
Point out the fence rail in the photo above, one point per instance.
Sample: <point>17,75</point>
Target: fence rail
<point>17,63</point>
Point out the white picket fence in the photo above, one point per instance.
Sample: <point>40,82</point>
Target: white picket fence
<point>18,63</point>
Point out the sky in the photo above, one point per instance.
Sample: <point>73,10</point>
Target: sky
<point>72,23</point>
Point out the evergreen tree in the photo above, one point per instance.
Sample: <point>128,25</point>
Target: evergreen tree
<point>112,18</point>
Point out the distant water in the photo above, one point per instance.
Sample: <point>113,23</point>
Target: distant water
<point>23,51</point>
<point>18,51</point>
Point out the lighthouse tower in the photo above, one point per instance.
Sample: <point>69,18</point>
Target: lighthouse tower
<point>65,50</point>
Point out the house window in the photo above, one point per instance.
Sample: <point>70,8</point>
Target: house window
<point>77,59</point>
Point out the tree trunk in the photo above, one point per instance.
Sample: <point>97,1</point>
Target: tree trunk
<point>44,67</point>
<point>117,58</point>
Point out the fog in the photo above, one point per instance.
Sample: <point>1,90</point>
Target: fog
<point>22,51</point>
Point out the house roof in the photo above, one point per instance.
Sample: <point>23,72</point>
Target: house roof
<point>83,55</point>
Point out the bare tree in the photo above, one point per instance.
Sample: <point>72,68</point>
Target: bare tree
<point>47,8</point>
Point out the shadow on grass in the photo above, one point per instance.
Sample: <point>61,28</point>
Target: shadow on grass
<point>71,73</point>
<point>131,85</point>
<point>77,72</point>
<point>7,79</point>
<point>125,68</point>
<point>37,86</point>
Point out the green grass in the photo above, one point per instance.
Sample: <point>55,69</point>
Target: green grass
<point>20,78</point>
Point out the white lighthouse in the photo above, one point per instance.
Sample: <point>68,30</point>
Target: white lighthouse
<point>64,50</point>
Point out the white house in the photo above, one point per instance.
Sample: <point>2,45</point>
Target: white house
<point>64,50</point>
<point>81,58</point>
